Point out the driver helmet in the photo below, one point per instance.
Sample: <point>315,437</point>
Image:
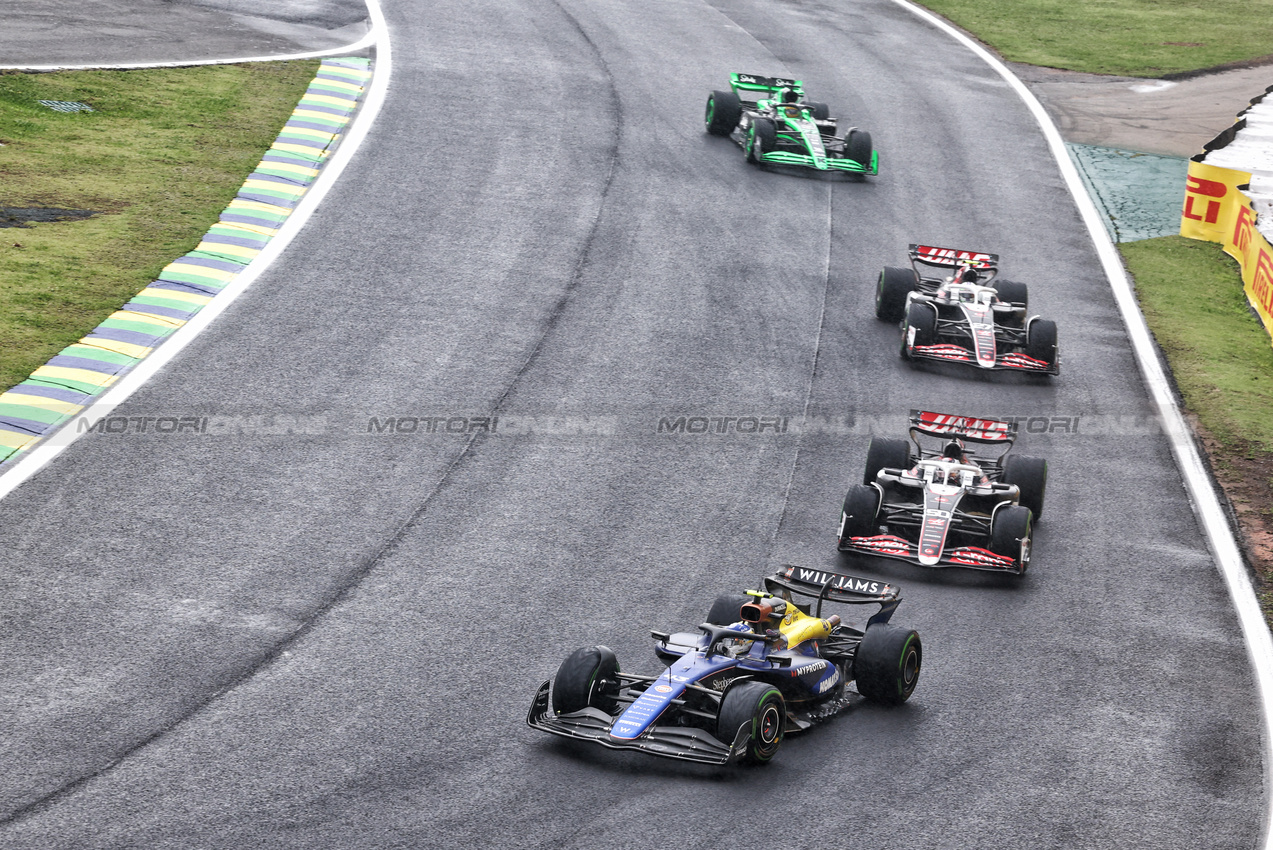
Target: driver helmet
<point>954,451</point>
<point>952,477</point>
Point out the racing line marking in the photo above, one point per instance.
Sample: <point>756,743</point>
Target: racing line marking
<point>1215,524</point>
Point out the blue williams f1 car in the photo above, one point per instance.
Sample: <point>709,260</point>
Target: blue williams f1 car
<point>763,665</point>
<point>774,125</point>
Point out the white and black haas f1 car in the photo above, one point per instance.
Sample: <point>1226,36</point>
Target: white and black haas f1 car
<point>952,309</point>
<point>765,664</point>
<point>968,503</point>
<point>772,122</point>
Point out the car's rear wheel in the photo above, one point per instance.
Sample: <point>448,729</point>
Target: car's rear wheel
<point>1040,342</point>
<point>861,512</point>
<point>724,109</point>
<point>885,453</point>
<point>886,666</point>
<point>727,608</point>
<point>587,678</point>
<point>1013,292</point>
<point>857,146</point>
<point>923,319</point>
<point>1010,535</point>
<point>762,137</point>
<point>761,708</point>
<point>819,111</point>
<point>891,291</point>
<point>1030,474</point>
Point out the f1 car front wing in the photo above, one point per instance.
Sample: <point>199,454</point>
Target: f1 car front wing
<point>1013,360</point>
<point>677,742</point>
<point>892,546</point>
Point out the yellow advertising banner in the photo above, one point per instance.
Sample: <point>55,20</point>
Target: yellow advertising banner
<point>1216,210</point>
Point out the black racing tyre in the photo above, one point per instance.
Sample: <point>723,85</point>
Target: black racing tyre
<point>861,512</point>
<point>891,291</point>
<point>857,146</point>
<point>1030,474</point>
<point>726,610</point>
<point>1040,341</point>
<point>586,678</point>
<point>762,137</point>
<point>886,666</point>
<point>724,109</point>
<point>760,706</point>
<point>819,111</point>
<point>1013,292</point>
<point>885,453</point>
<point>923,318</point>
<point>1010,534</point>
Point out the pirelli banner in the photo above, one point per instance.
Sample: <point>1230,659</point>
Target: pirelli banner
<point>1217,210</point>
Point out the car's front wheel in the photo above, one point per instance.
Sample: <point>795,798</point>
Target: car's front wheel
<point>760,708</point>
<point>1010,533</point>
<point>861,512</point>
<point>762,137</point>
<point>858,147</point>
<point>588,678</point>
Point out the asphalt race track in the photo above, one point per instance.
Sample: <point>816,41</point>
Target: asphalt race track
<point>302,628</point>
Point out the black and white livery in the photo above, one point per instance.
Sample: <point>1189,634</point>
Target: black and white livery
<point>952,496</point>
<point>952,308</point>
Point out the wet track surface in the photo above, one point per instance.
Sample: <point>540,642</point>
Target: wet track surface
<point>312,631</point>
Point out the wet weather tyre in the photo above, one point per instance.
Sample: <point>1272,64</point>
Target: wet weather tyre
<point>858,147</point>
<point>1010,535</point>
<point>1040,341</point>
<point>1013,292</point>
<point>885,453</point>
<point>587,678</point>
<point>724,109</point>
<point>891,291</point>
<point>761,137</point>
<point>886,666</point>
<point>819,111</point>
<point>727,609</point>
<point>1030,474</point>
<point>761,708</point>
<point>923,318</point>
<point>861,512</point>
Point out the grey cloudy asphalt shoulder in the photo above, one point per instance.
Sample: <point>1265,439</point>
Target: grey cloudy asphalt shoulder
<point>110,32</point>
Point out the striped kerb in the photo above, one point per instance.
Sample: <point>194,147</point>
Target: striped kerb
<point>75,376</point>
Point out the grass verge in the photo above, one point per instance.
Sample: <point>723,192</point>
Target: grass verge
<point>1192,297</point>
<point>1135,38</point>
<point>159,158</point>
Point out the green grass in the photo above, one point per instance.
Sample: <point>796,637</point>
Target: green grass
<point>1136,38</point>
<point>1191,295</point>
<point>159,159</point>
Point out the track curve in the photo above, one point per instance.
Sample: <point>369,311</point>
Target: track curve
<point>539,231</point>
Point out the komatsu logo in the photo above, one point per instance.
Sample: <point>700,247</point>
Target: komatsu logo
<point>830,681</point>
<point>849,583</point>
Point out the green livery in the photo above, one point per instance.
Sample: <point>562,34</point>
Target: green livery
<point>774,124</point>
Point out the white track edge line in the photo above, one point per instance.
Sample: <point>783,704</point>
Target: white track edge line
<point>368,40</point>
<point>1197,480</point>
<point>52,445</point>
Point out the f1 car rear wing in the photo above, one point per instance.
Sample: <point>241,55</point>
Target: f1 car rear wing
<point>947,425</point>
<point>764,85</point>
<point>813,583</point>
<point>986,265</point>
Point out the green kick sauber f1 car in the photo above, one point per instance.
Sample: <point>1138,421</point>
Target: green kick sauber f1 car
<point>779,127</point>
